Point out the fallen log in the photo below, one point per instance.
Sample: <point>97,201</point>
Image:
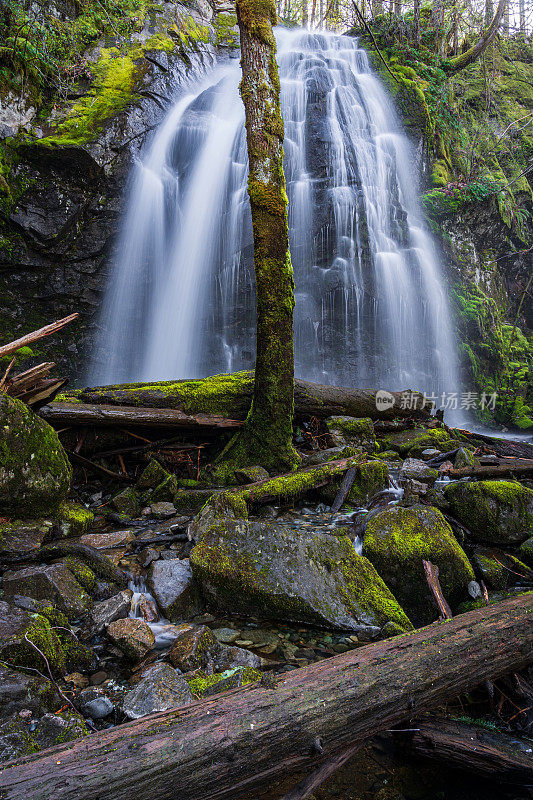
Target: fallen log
<point>501,447</point>
<point>238,744</point>
<point>231,395</point>
<point>60,414</point>
<point>471,747</point>
<point>432,577</point>
<point>344,491</point>
<point>511,466</point>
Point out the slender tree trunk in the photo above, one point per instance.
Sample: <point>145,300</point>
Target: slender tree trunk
<point>416,22</point>
<point>522,16</point>
<point>455,42</point>
<point>398,7</point>
<point>305,13</point>
<point>267,435</point>
<point>489,12</point>
<point>313,12</point>
<point>506,26</point>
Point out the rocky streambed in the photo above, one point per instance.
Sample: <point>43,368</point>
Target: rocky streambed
<point>117,604</point>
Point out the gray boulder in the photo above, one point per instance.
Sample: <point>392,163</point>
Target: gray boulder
<point>268,570</point>
<point>20,735</point>
<point>29,692</point>
<point>160,689</point>
<point>54,582</point>
<point>133,636</point>
<point>171,583</point>
<point>108,611</point>
<point>35,472</point>
<point>417,470</point>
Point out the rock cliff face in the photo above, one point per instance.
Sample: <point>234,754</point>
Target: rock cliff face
<point>63,174</point>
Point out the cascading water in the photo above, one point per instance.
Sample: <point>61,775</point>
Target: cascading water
<point>370,305</point>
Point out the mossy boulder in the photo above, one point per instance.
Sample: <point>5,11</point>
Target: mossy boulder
<point>526,551</point>
<point>493,511</point>
<point>23,537</point>
<point>396,541</point>
<point>23,635</point>
<point>202,685</point>
<point>20,736</point>
<point>413,442</point>
<point>54,582</point>
<point>270,571</point>
<point>34,470</point>
<point>370,478</point>
<point>74,519</point>
<point>172,585</point>
<point>498,569</point>
<point>352,432</point>
<point>20,691</point>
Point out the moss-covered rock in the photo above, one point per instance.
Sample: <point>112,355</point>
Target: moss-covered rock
<point>498,569</point>
<point>493,511</point>
<point>23,635</point>
<point>54,582</point>
<point>526,551</point>
<point>127,502</point>
<point>396,541</point>
<point>20,736</point>
<point>274,572</point>
<point>413,442</point>
<point>202,685</point>
<point>352,432</point>
<point>74,519</point>
<point>34,470</point>
<point>370,478</point>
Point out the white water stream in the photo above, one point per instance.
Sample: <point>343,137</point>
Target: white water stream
<point>371,308</point>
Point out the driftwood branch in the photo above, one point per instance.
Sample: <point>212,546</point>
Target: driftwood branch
<point>132,416</point>
<point>432,577</point>
<point>344,491</point>
<point>239,743</point>
<point>511,466</point>
<point>30,338</point>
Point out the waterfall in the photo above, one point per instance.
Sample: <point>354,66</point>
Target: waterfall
<point>371,308</point>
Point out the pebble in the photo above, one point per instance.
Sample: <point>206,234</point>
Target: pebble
<point>99,708</point>
<point>79,680</point>
<point>98,677</point>
<point>244,642</point>
<point>227,635</point>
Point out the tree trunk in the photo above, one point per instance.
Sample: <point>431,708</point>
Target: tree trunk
<point>489,12</point>
<point>231,395</point>
<point>473,53</point>
<point>505,26</point>
<point>240,743</point>
<point>416,22</point>
<point>305,13</point>
<point>267,436</point>
<point>522,16</point>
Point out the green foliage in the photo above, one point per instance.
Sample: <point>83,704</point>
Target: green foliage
<point>452,197</point>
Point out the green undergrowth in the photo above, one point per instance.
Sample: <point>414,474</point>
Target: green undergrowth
<point>500,358</point>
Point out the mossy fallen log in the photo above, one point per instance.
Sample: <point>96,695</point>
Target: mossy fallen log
<point>230,396</point>
<point>241,743</point>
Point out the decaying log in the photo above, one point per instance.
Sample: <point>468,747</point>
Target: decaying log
<point>344,491</point>
<point>231,395</point>
<point>30,338</point>
<point>59,414</point>
<point>471,747</point>
<point>511,466</point>
<point>239,743</point>
<point>501,447</point>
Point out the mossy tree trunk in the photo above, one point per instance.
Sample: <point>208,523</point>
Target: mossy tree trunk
<point>267,435</point>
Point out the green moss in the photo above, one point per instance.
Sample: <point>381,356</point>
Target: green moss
<point>83,574</point>
<point>227,35</point>
<point>398,539</point>
<point>40,633</point>
<point>202,685</point>
<point>493,511</point>
<point>74,519</point>
<point>413,442</point>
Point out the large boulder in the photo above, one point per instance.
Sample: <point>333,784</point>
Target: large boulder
<point>19,692</point>
<point>260,568</point>
<point>160,689</point>
<point>202,685</point>
<point>20,735</point>
<point>54,582</point>
<point>107,611</point>
<point>25,638</point>
<point>171,583</point>
<point>493,511</point>
<point>34,470</point>
<point>396,541</point>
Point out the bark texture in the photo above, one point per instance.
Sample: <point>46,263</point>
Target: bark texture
<point>267,435</point>
<point>241,743</point>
